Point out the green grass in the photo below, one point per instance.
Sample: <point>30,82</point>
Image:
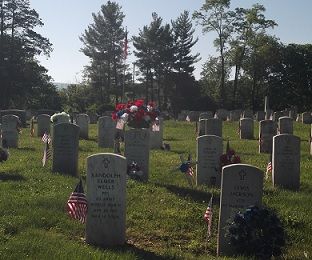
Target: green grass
<point>164,216</point>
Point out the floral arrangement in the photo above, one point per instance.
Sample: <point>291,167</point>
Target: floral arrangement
<point>134,171</point>
<point>136,114</point>
<point>256,232</point>
<point>229,157</point>
<point>60,118</point>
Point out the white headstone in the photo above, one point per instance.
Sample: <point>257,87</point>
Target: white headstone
<point>82,120</point>
<point>106,196</point>
<point>65,148</point>
<point>214,127</point>
<point>286,161</point>
<point>246,128</point>
<point>267,129</point>
<point>43,124</point>
<point>285,125</point>
<point>106,132</point>
<point>137,149</point>
<point>306,118</point>
<point>241,187</point>
<point>9,130</point>
<point>156,134</point>
<point>209,150</point>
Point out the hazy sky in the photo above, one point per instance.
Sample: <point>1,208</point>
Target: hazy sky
<point>65,20</point>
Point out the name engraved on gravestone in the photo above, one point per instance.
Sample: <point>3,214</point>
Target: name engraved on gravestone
<point>106,196</point>
<point>137,142</point>
<point>241,186</point>
<point>286,161</point>
<point>65,148</point>
<point>209,150</point>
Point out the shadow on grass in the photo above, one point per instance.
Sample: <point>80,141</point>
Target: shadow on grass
<point>195,195</point>
<point>140,253</point>
<point>11,177</point>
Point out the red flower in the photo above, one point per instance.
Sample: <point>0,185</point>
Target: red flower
<point>139,102</point>
<point>114,116</point>
<point>120,106</point>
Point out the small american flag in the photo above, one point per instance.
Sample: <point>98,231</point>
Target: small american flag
<point>46,138</point>
<point>46,153</point>
<point>269,168</point>
<point>190,171</point>
<point>120,124</point>
<point>208,216</point>
<point>77,204</point>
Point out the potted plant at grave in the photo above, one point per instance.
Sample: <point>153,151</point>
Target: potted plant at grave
<point>136,114</point>
<point>256,232</point>
<point>60,118</point>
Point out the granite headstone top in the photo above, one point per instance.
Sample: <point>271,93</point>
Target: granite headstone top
<point>137,150</point>
<point>43,124</point>
<point>106,196</point>
<point>267,129</point>
<point>21,114</point>
<point>10,130</point>
<point>286,161</point>
<point>285,125</point>
<point>214,127</point>
<point>82,120</point>
<point>246,128</point>
<point>209,150</point>
<point>106,132</point>
<point>241,187</point>
<point>65,148</point>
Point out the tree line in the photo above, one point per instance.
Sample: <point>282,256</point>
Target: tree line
<point>250,62</point>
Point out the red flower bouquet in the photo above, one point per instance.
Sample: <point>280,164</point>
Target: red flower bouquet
<point>229,157</point>
<point>136,114</point>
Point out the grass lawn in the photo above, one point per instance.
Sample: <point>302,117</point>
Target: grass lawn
<point>164,216</point>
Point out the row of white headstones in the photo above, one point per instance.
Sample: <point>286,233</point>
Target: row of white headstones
<point>241,185</point>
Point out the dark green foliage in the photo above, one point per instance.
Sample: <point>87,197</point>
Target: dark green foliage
<point>20,74</point>
<point>257,232</point>
<point>104,45</point>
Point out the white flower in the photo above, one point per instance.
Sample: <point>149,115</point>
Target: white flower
<point>125,117</point>
<point>149,108</point>
<point>60,118</point>
<point>133,108</point>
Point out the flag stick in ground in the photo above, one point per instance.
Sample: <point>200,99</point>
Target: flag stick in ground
<point>77,204</point>
<point>208,219</point>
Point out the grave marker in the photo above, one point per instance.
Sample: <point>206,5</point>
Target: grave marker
<point>106,196</point>
<point>209,150</point>
<point>241,187</point>
<point>286,161</point>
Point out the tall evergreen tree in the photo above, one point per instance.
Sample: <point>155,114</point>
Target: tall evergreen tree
<point>103,44</point>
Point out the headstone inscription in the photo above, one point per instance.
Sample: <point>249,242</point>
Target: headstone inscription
<point>106,131</point>
<point>137,149</point>
<point>286,161</point>
<point>246,128</point>
<point>241,187</point>
<point>209,150</point>
<point>82,120</point>
<point>10,130</point>
<point>106,196</point>
<point>43,124</point>
<point>65,148</point>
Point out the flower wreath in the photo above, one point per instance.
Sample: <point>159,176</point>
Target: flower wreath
<point>136,114</point>
<point>60,118</point>
<point>256,232</point>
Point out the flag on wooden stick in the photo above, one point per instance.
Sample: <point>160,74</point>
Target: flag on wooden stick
<point>77,204</point>
<point>269,167</point>
<point>46,150</point>
<point>208,217</point>
<point>32,128</point>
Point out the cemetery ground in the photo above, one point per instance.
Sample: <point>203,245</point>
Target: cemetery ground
<point>164,215</point>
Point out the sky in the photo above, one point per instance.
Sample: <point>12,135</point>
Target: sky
<point>66,20</point>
